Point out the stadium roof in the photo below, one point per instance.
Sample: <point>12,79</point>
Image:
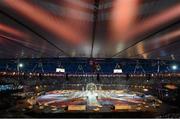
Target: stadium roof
<point>147,29</point>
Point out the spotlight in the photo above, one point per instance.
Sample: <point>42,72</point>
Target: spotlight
<point>174,67</point>
<point>20,65</point>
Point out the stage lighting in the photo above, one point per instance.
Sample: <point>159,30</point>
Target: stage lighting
<point>174,67</point>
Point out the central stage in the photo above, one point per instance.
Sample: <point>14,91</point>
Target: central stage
<point>91,99</point>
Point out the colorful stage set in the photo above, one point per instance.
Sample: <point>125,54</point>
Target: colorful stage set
<point>93,99</point>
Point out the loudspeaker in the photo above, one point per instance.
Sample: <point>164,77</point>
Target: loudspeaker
<point>127,76</point>
<point>67,77</point>
<point>98,79</point>
<point>148,76</point>
<point>40,76</point>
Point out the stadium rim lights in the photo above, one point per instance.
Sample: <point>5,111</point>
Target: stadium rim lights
<point>20,65</point>
<point>174,67</point>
